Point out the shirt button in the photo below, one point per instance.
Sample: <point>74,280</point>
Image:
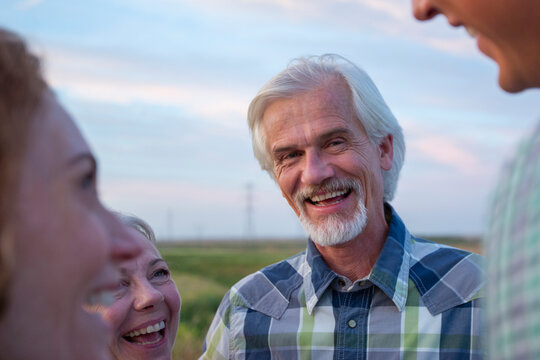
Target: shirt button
<point>351,323</point>
<point>341,282</point>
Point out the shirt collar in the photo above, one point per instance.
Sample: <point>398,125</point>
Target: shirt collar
<point>390,272</point>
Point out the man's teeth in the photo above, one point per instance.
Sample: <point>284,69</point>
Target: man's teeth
<point>147,330</point>
<point>471,31</point>
<point>326,196</point>
<point>100,298</point>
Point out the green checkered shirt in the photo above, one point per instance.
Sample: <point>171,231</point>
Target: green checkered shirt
<point>513,256</point>
<point>420,301</point>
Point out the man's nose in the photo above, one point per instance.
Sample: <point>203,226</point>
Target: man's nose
<point>423,9</point>
<point>316,169</point>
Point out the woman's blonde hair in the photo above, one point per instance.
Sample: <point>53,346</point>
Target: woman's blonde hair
<point>138,224</point>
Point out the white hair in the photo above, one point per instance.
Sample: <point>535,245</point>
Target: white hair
<point>309,73</point>
<point>334,229</point>
<point>139,225</point>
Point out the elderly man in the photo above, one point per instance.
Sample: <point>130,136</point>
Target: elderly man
<point>365,287</point>
<point>508,31</point>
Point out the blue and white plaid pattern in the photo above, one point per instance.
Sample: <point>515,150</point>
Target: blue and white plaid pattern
<point>420,301</point>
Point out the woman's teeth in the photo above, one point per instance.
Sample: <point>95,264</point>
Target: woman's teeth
<point>147,330</point>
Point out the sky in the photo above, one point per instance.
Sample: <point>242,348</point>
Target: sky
<point>161,88</point>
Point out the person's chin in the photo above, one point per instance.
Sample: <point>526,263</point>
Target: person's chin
<point>331,232</point>
<point>130,353</point>
<point>96,332</point>
<point>508,79</point>
<point>510,82</point>
<point>325,243</point>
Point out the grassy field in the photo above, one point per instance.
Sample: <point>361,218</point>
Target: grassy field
<point>204,271</point>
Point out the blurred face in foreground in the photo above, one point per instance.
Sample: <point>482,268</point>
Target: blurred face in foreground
<point>508,31</point>
<point>65,247</point>
<point>145,314</point>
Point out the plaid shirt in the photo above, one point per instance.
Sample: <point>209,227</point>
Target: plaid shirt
<point>420,301</point>
<point>513,256</point>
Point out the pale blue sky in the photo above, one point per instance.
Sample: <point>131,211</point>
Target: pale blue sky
<point>161,88</point>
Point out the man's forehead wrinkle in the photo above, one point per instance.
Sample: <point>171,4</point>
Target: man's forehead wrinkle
<point>311,110</point>
<point>283,141</point>
<point>308,117</point>
<point>307,129</point>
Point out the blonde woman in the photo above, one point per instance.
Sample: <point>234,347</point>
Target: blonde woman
<point>146,309</point>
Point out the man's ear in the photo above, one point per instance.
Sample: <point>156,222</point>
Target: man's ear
<point>386,152</point>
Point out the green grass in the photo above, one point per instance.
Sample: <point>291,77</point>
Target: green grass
<point>204,272</point>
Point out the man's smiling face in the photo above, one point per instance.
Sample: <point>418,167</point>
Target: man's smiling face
<point>324,162</point>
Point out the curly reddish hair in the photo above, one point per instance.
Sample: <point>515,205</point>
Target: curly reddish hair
<point>21,88</point>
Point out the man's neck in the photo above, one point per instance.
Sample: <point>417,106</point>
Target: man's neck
<point>355,259</point>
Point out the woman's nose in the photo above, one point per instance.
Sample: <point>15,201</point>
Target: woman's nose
<point>124,245</point>
<point>146,297</point>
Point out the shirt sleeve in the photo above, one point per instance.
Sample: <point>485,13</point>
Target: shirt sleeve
<point>216,344</point>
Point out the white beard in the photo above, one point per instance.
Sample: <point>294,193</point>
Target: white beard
<point>336,229</point>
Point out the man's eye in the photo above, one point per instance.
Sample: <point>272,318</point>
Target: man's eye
<point>336,142</point>
<point>290,155</point>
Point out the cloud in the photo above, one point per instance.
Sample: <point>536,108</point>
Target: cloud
<point>104,78</point>
<point>170,191</point>
<point>445,151</point>
<point>392,18</point>
<point>195,100</point>
<point>461,151</point>
<point>459,46</point>
<point>303,9</point>
<point>396,9</point>
<point>27,4</point>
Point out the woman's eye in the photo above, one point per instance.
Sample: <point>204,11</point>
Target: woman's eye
<point>88,180</point>
<point>123,284</point>
<point>121,288</point>
<point>161,273</point>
